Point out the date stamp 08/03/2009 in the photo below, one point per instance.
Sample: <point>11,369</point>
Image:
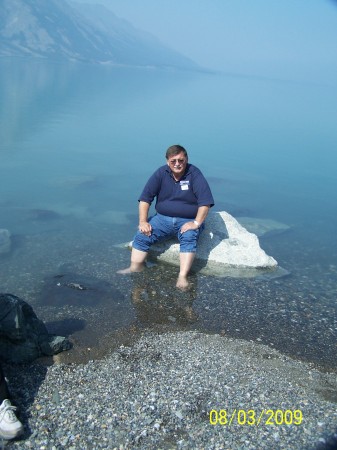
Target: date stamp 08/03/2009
<point>251,417</point>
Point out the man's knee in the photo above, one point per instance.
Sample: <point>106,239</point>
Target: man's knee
<point>141,242</point>
<point>188,241</point>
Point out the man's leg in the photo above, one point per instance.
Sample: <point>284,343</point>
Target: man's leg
<point>188,247</point>
<point>186,261</point>
<point>161,229</point>
<point>137,262</point>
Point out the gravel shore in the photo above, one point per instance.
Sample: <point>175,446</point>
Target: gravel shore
<point>159,392</point>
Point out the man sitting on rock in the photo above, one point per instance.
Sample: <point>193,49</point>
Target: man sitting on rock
<point>183,199</point>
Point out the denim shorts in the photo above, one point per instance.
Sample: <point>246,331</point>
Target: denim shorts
<point>165,227</point>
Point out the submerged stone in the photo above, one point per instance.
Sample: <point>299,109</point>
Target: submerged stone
<point>114,217</point>
<point>77,290</point>
<point>262,227</point>
<point>44,214</point>
<point>5,241</point>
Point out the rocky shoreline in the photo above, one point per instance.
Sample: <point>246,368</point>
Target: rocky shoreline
<point>159,392</point>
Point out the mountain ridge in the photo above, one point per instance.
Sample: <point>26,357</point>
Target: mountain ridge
<point>62,30</point>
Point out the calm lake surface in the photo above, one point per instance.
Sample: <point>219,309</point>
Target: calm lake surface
<point>78,142</point>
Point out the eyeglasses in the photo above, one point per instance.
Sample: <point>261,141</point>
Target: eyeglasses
<point>173,162</point>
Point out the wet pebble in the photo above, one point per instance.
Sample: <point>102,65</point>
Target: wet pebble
<point>133,400</point>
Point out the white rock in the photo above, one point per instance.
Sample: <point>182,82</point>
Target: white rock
<point>225,248</point>
<point>224,241</point>
<point>238,248</point>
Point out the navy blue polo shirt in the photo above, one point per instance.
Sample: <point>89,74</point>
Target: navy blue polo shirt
<point>178,198</point>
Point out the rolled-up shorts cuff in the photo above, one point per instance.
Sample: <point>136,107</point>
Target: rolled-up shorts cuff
<point>189,240</point>
<point>141,242</point>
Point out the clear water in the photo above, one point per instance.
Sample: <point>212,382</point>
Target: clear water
<point>78,143</point>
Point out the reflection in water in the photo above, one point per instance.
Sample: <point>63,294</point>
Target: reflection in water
<point>77,142</point>
<point>35,92</point>
<point>157,302</point>
<point>25,96</point>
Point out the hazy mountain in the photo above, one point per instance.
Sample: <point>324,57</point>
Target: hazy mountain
<point>57,29</point>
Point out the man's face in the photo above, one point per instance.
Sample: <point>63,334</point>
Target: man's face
<point>177,164</point>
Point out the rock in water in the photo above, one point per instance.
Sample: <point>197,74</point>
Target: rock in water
<point>262,227</point>
<point>77,290</point>
<point>5,241</point>
<point>238,248</point>
<point>24,337</point>
<point>225,248</point>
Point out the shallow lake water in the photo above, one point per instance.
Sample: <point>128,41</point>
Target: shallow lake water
<point>78,143</point>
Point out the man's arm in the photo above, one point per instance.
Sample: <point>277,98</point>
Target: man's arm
<point>201,214</point>
<point>144,226</point>
<point>200,218</point>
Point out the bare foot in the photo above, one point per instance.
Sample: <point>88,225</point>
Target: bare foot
<point>124,271</point>
<point>131,269</point>
<point>182,283</point>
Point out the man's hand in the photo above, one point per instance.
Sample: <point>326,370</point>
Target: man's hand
<point>188,226</point>
<point>145,228</point>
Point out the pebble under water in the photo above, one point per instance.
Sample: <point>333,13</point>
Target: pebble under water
<point>53,271</point>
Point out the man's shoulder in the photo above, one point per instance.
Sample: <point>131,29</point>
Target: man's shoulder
<point>161,173</point>
<point>193,170</point>
<point>162,170</point>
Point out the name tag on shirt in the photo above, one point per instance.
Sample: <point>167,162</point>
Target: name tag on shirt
<point>184,185</point>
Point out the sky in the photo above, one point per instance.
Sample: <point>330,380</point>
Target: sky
<point>295,38</point>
